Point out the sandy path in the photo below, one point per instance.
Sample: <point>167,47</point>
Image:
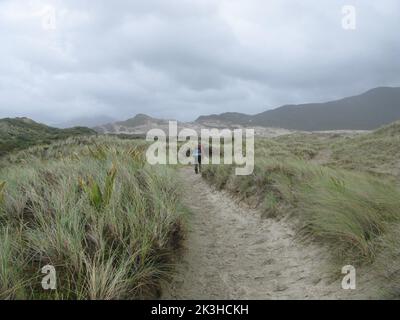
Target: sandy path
<point>232,253</point>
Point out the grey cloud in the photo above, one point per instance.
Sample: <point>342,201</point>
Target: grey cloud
<point>180,59</point>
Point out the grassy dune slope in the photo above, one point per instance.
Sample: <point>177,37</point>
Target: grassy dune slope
<point>378,152</point>
<point>349,200</point>
<point>94,210</point>
<point>21,133</point>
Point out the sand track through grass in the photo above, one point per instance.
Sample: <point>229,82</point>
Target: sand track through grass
<point>233,253</point>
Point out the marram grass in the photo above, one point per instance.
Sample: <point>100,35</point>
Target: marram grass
<point>107,222</point>
<point>354,212</point>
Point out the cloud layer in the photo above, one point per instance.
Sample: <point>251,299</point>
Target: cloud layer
<point>179,58</point>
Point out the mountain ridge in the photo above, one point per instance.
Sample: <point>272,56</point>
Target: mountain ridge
<point>367,111</point>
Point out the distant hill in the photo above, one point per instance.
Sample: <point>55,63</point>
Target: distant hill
<point>227,117</point>
<point>139,124</point>
<point>20,133</point>
<point>141,120</point>
<point>367,111</point>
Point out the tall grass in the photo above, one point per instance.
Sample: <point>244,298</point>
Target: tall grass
<point>107,222</point>
<point>355,213</point>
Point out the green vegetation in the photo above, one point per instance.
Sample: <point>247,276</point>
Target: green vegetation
<point>378,152</point>
<point>111,225</point>
<point>341,191</point>
<point>2,185</point>
<point>21,133</point>
<point>93,209</point>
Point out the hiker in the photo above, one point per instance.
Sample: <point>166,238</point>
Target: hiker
<point>197,158</point>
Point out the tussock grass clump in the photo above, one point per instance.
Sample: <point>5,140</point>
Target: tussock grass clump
<point>351,210</point>
<point>109,224</point>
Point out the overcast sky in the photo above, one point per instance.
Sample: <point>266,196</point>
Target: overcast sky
<point>180,59</point>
